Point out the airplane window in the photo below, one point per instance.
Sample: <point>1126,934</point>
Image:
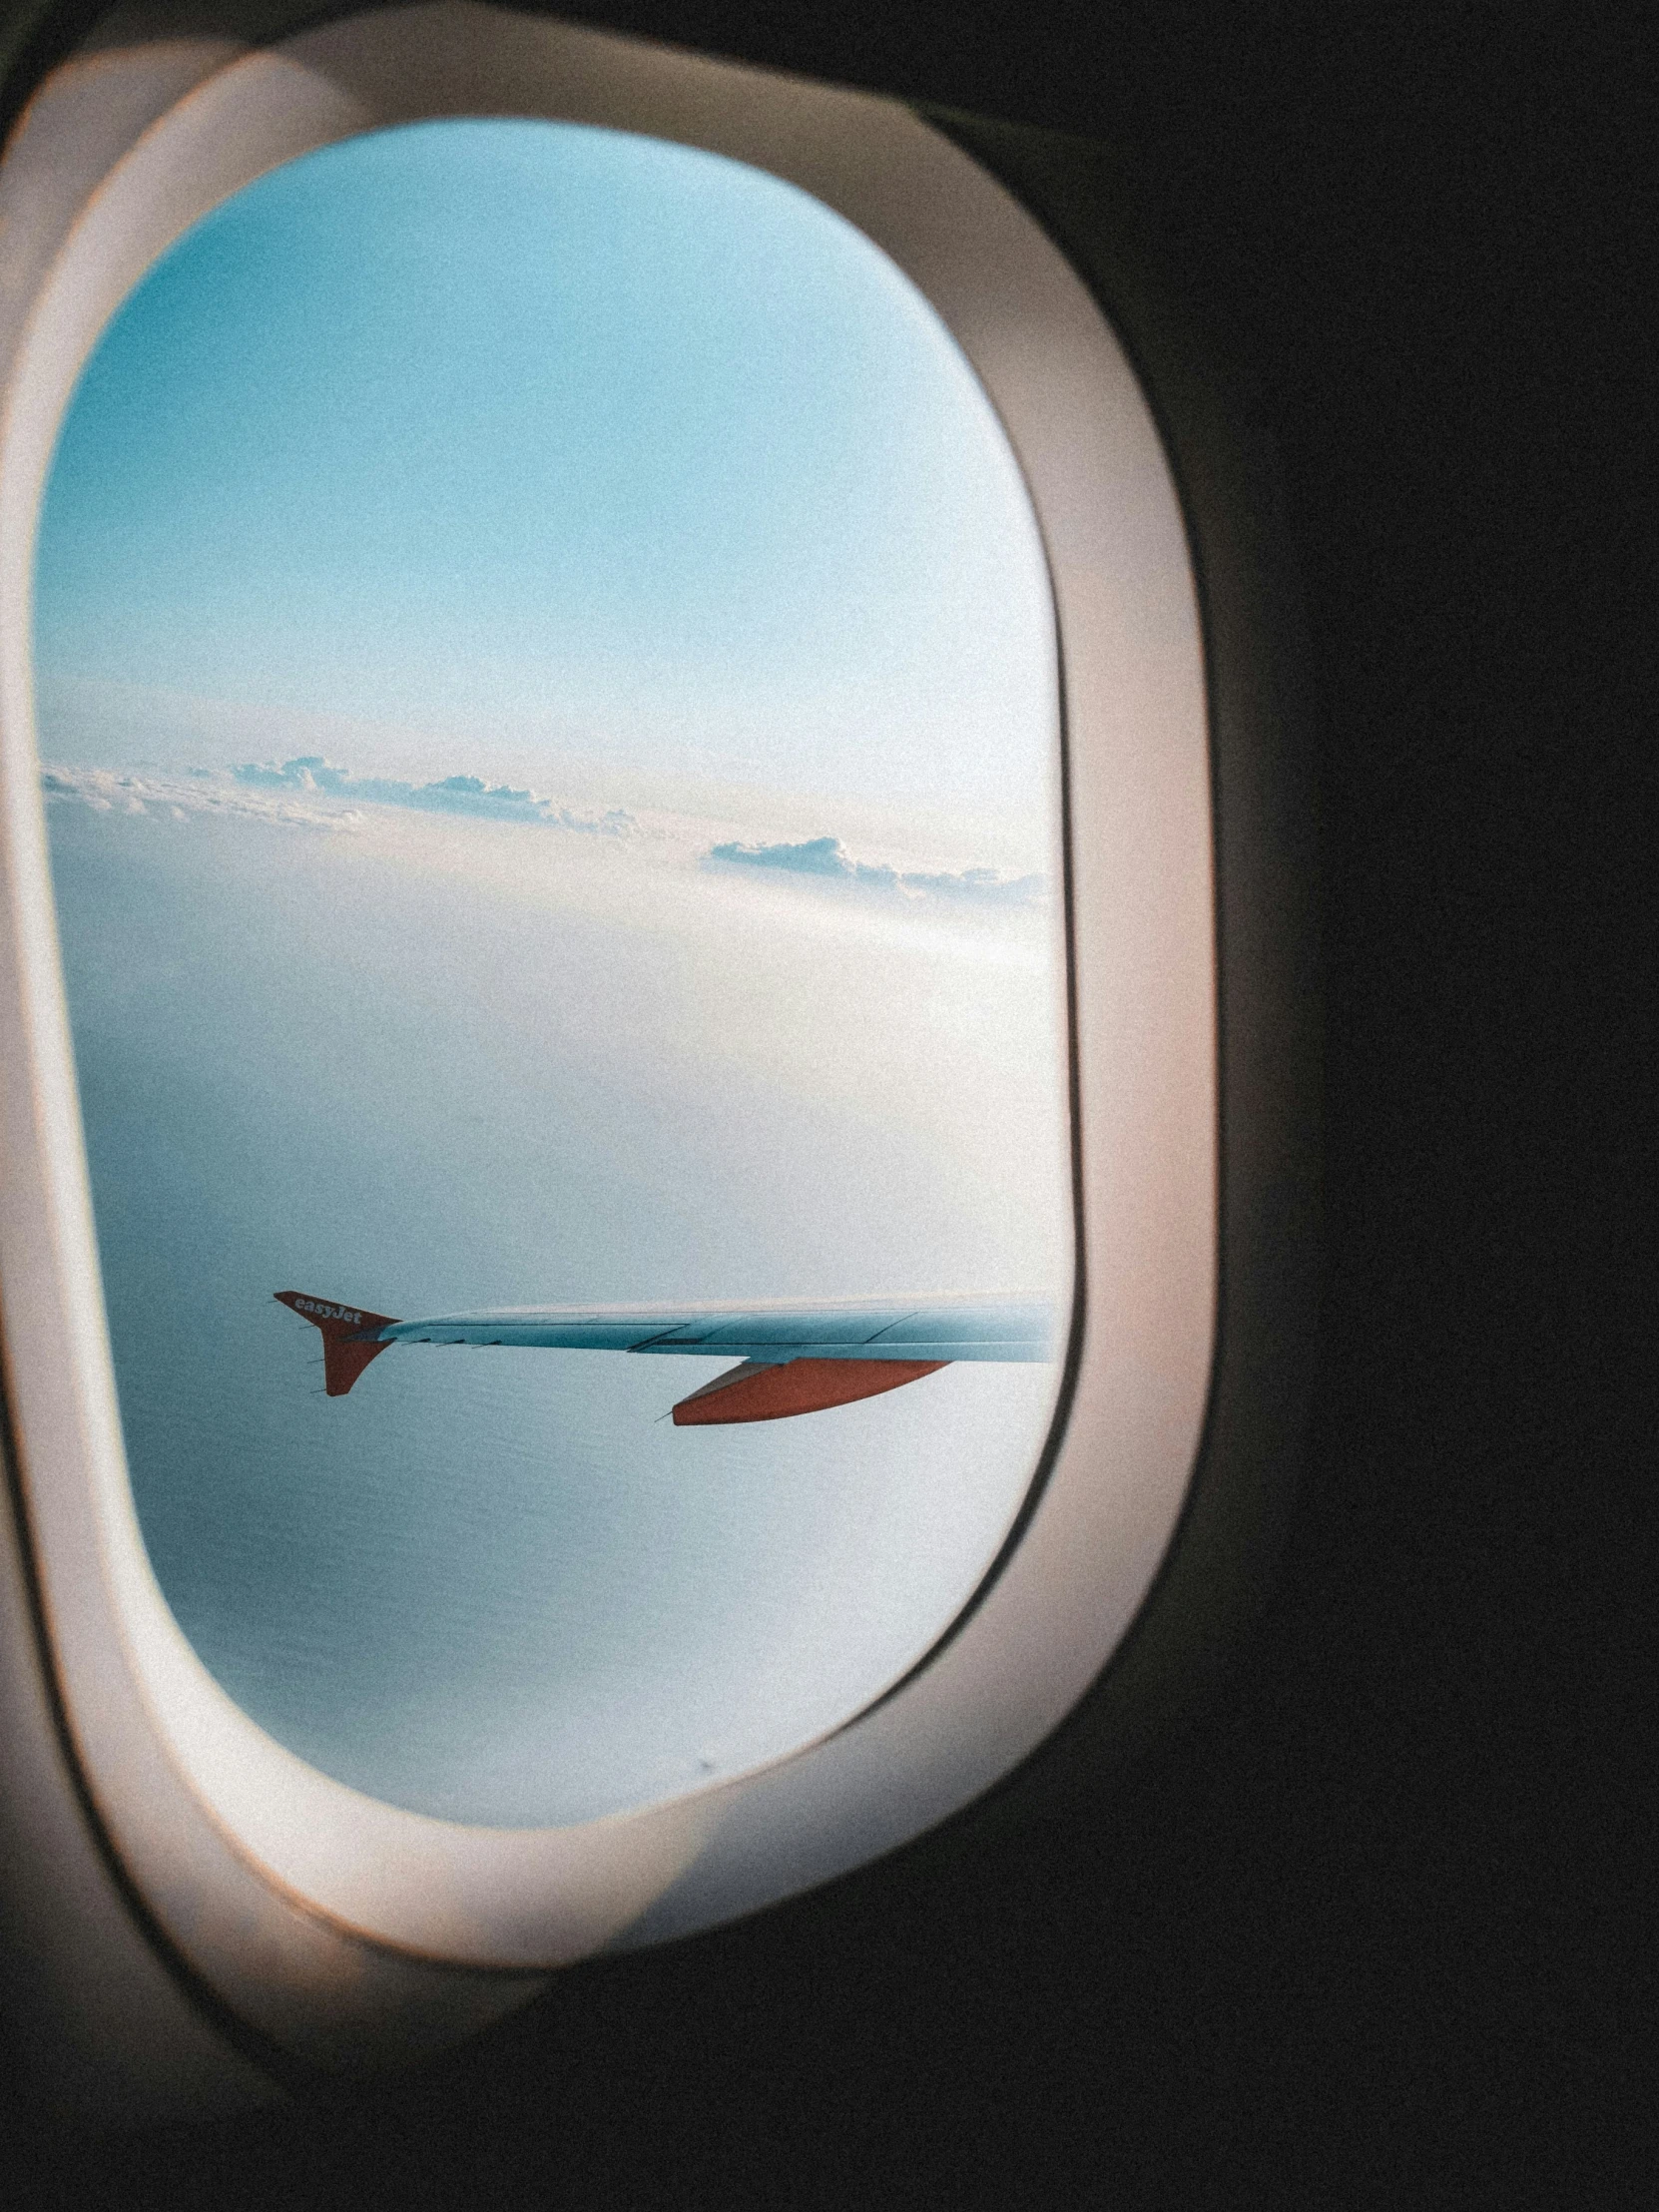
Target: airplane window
<point>656,1200</point>
<point>547,694</point>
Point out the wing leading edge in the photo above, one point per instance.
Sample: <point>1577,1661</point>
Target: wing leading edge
<point>795,1357</point>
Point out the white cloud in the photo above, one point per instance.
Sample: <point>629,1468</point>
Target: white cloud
<point>444,823</point>
<point>826,860</point>
<point>311,793</point>
<point>449,795</point>
<point>107,791</point>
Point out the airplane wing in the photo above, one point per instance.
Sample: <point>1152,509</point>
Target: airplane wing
<point>793,1357</point>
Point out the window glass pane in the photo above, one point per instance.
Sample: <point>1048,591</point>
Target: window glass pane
<point>547,698</point>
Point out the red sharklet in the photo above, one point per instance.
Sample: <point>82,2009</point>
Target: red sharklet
<point>756,1392</point>
<point>344,1329</point>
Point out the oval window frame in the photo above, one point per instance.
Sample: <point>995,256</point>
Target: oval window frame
<point>187,1785</point>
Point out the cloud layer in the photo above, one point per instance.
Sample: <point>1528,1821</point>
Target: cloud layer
<point>199,792</point>
<point>311,793</point>
<point>827,860</point>
<point>452,795</point>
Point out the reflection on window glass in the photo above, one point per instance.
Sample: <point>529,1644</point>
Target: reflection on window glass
<point>548,712</point>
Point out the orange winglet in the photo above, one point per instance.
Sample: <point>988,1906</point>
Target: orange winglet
<point>343,1329</point>
<point>760,1391</point>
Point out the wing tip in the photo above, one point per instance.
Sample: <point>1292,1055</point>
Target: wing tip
<point>348,1344</point>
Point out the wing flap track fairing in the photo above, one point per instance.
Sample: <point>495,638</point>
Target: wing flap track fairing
<point>775,1390</point>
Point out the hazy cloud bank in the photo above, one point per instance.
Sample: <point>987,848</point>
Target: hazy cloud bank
<point>311,793</point>
<point>107,791</point>
<point>452,795</point>
<point>827,860</point>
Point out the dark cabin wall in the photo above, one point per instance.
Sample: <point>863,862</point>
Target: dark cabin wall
<point>1371,1928</point>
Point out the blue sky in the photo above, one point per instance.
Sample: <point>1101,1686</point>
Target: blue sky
<point>501,428</point>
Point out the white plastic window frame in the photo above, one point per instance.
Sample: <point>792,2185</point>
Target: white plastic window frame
<point>119,154</point>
